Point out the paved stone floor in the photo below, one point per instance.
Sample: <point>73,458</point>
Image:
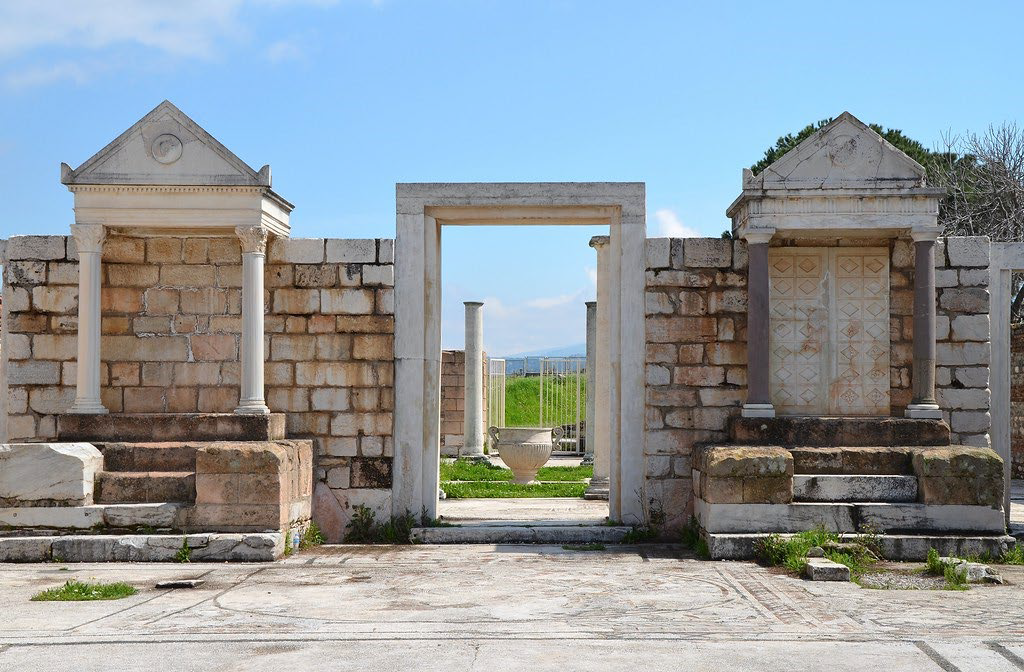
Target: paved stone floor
<point>502,608</point>
<point>535,510</point>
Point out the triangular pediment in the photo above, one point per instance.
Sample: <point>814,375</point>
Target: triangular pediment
<point>166,147</point>
<point>845,154</point>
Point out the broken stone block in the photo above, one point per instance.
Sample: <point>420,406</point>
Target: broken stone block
<point>823,569</point>
<point>959,475</point>
<point>40,474</point>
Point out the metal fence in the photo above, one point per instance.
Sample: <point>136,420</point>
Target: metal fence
<point>563,396</point>
<point>495,392</point>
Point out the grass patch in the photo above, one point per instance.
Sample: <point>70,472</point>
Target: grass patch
<point>583,547</point>
<point>468,470</point>
<point>78,591</point>
<point>1014,556</point>
<point>522,399</point>
<point>492,489</point>
<point>791,553</point>
<point>956,579</point>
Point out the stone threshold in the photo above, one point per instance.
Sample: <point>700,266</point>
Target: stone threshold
<point>163,427</point>
<point>520,533</point>
<point>895,547</point>
<point>213,547</point>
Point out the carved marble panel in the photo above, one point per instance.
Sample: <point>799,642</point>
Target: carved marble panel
<point>829,351</point>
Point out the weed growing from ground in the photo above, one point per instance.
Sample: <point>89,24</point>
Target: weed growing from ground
<point>364,529</point>
<point>77,591</point>
<point>691,533</point>
<point>640,535</point>
<point>701,549</point>
<point>956,579</point>
<point>1014,556</point>
<point>184,553</point>
<point>312,537</point>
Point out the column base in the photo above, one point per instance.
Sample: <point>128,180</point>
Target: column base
<point>471,454</point>
<point>758,411</point>
<point>252,408</point>
<point>88,407</point>
<point>598,489</point>
<point>924,411</point>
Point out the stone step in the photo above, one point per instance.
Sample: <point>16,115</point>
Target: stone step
<point>155,514</point>
<point>213,547</point>
<point>895,547</point>
<point>854,488</point>
<point>159,427</point>
<point>893,518</point>
<point>854,460</point>
<point>788,431</point>
<point>124,487</point>
<point>520,534</point>
<point>167,456</point>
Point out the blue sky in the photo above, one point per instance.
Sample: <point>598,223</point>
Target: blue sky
<point>345,98</point>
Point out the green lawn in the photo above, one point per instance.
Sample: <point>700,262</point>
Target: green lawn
<point>463,479</point>
<point>522,400</point>
<point>465,470</point>
<point>487,489</point>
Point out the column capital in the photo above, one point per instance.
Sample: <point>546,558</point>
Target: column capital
<point>759,236</point>
<point>89,237</point>
<point>254,239</point>
<point>925,236</point>
<point>597,242</point>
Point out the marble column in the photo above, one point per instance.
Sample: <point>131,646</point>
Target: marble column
<point>473,417</point>
<point>601,481</point>
<point>89,241</point>
<point>923,404</point>
<point>588,413</point>
<point>759,402</point>
<point>254,254</point>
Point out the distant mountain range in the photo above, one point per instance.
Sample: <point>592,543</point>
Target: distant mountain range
<point>560,351</point>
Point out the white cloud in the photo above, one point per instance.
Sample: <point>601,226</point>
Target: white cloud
<point>592,274</point>
<point>43,75</point>
<point>545,302</point>
<point>519,326</point>
<point>30,30</point>
<point>670,226</point>
<point>284,50</point>
<point>189,28</point>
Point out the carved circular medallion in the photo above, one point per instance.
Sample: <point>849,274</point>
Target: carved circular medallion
<point>842,150</point>
<point>166,148</point>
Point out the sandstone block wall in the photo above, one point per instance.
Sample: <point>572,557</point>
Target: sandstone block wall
<point>696,316</point>
<point>453,399</point>
<point>963,350</point>
<point>171,326</point>
<point>696,346</point>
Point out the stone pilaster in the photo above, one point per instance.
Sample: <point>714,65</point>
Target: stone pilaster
<point>89,241</point>
<point>473,419</point>
<point>923,403</point>
<point>254,254</point>
<point>759,403</point>
<point>588,457</point>
<point>601,481</point>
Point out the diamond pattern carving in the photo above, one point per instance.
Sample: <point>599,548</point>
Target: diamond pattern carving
<point>829,312</point>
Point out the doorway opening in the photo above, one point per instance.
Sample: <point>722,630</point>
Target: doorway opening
<point>522,457</point>
<point>423,211</point>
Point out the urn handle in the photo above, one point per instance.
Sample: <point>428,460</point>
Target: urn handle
<point>556,434</point>
<point>492,431</point>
